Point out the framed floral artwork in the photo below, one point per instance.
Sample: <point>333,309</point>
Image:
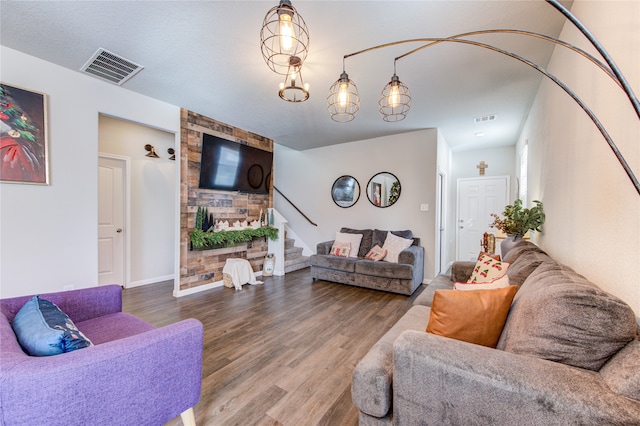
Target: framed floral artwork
<point>23,136</point>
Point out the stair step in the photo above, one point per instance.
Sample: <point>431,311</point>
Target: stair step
<point>295,264</point>
<point>289,243</point>
<point>292,252</point>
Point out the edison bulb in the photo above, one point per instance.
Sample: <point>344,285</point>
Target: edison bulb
<point>394,96</point>
<point>343,95</point>
<point>287,35</point>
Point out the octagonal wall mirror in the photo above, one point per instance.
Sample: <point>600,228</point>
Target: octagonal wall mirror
<point>345,191</point>
<point>383,189</point>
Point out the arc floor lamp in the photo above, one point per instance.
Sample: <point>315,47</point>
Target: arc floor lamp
<point>343,100</point>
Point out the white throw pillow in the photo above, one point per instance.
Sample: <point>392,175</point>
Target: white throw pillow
<point>488,269</point>
<point>353,239</point>
<point>491,285</point>
<point>394,245</point>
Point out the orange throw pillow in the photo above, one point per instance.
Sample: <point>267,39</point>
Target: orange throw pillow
<point>471,316</point>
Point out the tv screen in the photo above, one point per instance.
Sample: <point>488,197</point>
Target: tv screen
<point>231,166</point>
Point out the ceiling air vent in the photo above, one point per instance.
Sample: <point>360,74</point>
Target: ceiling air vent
<point>111,67</point>
<point>485,118</point>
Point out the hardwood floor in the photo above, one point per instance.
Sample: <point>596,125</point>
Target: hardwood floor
<point>281,353</point>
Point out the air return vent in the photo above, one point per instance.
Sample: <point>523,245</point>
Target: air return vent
<point>484,118</point>
<point>111,67</point>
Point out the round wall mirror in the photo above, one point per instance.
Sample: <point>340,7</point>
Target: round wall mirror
<point>345,191</point>
<point>383,190</point>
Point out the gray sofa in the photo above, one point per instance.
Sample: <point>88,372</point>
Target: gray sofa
<point>403,277</point>
<point>569,354</point>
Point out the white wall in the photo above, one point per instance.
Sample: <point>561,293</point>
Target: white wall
<point>593,210</point>
<point>152,197</point>
<point>49,234</point>
<point>306,177</point>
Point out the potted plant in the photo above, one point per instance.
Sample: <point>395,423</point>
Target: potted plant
<point>517,222</point>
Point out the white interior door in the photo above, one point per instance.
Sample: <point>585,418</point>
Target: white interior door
<point>477,199</point>
<point>111,218</point>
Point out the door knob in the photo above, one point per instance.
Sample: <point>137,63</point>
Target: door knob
<point>119,230</point>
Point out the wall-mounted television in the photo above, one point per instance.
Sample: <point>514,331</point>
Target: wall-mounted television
<point>231,166</point>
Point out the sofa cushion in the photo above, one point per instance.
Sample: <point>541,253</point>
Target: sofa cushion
<point>560,316</point>
<point>365,243</point>
<point>353,239</point>
<point>380,236</point>
<point>384,269</point>
<point>343,264</point>
<point>471,316</point>
<point>622,372</point>
<point>43,329</point>
<point>111,327</point>
<point>394,245</point>
<point>522,247</point>
<point>524,265</point>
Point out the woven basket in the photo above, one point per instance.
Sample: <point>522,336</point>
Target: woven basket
<point>228,282</point>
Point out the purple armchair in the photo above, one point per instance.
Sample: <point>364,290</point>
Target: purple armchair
<point>136,374</point>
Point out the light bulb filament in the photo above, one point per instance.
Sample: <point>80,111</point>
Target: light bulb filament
<point>343,95</point>
<point>394,96</point>
<point>287,35</point>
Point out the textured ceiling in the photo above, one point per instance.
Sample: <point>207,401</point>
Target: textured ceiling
<point>205,56</point>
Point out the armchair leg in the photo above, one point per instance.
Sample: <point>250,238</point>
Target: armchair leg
<point>188,417</point>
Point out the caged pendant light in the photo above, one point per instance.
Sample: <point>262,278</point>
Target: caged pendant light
<point>284,34</point>
<point>343,100</point>
<point>395,100</point>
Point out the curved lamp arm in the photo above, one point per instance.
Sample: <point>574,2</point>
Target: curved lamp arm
<point>613,72</point>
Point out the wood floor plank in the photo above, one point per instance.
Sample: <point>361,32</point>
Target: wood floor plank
<point>277,354</point>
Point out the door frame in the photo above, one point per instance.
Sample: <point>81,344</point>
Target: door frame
<point>126,162</point>
<point>507,178</point>
<point>441,213</point>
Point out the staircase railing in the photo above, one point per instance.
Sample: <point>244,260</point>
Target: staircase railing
<point>295,207</point>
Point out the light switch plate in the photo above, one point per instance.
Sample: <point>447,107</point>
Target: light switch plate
<point>424,207</point>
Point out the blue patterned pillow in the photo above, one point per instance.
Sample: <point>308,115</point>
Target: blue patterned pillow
<point>43,329</point>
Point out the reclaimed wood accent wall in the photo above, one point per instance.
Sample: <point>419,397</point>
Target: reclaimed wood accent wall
<point>198,268</point>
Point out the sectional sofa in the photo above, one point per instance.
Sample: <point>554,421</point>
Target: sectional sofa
<point>569,354</point>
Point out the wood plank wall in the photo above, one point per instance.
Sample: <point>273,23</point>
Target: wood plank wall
<point>203,267</point>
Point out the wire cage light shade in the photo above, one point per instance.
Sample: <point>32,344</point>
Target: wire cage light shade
<point>284,34</point>
<point>343,101</point>
<point>395,100</point>
<point>289,89</point>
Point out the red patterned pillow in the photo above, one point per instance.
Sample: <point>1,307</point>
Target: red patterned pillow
<point>376,253</point>
<point>340,249</point>
<point>488,269</point>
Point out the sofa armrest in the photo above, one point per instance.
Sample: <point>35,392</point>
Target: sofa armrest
<point>148,378</point>
<point>80,305</point>
<point>325,247</point>
<point>461,271</point>
<point>453,382</point>
<point>412,255</point>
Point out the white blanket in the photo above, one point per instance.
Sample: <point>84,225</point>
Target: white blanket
<point>240,272</point>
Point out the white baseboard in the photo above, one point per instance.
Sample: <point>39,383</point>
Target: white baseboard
<point>215,284</point>
<point>150,281</point>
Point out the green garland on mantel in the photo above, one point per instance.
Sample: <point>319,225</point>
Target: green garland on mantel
<point>201,240</point>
